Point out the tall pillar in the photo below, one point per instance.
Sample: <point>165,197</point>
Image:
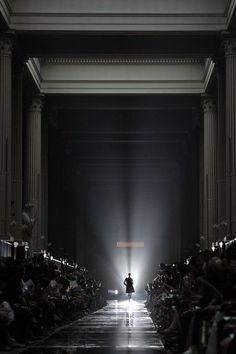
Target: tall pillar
<point>230,66</point>
<point>44,242</point>
<point>221,150</point>
<point>32,181</point>
<point>5,135</point>
<point>201,182</point>
<point>210,185</point>
<point>17,113</point>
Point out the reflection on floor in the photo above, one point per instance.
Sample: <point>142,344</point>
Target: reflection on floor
<point>119,327</point>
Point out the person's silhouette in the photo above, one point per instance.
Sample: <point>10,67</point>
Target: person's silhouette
<point>128,282</point>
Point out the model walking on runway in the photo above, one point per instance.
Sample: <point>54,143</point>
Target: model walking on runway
<point>128,282</point>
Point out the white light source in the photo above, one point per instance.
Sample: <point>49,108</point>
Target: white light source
<point>114,292</point>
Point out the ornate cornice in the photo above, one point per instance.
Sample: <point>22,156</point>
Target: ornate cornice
<point>121,60</point>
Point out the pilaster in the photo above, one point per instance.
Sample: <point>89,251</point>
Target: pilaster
<point>32,186</point>
<point>210,175</point>
<point>230,62</point>
<point>17,142</point>
<point>6,46</point>
<point>221,149</point>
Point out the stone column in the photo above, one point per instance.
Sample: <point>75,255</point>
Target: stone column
<point>230,63</point>
<point>221,151</point>
<point>5,135</point>
<point>201,182</point>
<point>44,242</point>
<point>17,119</point>
<point>210,185</point>
<point>32,181</point>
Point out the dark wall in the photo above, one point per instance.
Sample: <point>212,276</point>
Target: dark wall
<point>123,175</point>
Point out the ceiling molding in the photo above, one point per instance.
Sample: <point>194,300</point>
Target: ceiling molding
<point>208,72</point>
<point>128,75</point>
<point>230,10</point>
<point>123,87</point>
<point>119,23</point>
<point>142,16</point>
<point>5,9</point>
<point>121,60</point>
<point>33,66</point>
<point>120,14</point>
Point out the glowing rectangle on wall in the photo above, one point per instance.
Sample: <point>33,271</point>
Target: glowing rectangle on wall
<point>133,244</point>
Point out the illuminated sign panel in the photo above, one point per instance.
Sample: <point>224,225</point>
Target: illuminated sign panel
<point>133,244</point>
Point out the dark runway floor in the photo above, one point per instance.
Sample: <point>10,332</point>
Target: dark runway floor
<point>120,327</point>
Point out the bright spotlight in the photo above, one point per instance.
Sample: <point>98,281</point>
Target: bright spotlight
<point>113,292</point>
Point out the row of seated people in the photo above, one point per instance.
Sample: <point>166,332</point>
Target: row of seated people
<point>193,304</point>
<point>34,299</point>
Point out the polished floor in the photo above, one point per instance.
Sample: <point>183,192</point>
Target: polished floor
<point>120,327</point>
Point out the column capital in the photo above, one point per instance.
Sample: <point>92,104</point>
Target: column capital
<point>208,103</point>
<point>7,41</point>
<point>36,103</point>
<point>6,46</point>
<point>230,46</point>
